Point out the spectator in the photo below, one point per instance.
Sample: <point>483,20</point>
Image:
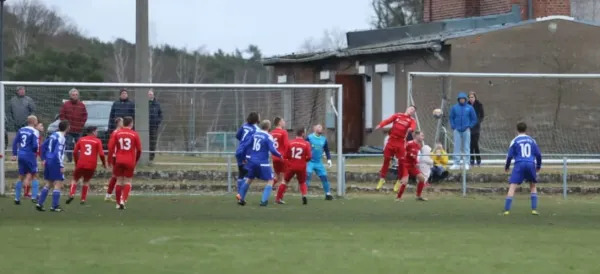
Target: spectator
<point>440,162</point>
<point>154,121</point>
<point>462,119</point>
<point>120,109</point>
<point>75,112</point>
<point>21,106</point>
<point>478,106</point>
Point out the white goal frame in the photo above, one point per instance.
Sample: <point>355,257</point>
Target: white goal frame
<point>337,87</point>
<point>572,158</point>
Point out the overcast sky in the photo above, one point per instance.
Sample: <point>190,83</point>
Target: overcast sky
<point>276,26</point>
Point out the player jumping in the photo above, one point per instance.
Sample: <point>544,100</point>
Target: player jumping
<point>53,151</point>
<point>257,148</point>
<point>113,179</point>
<point>528,161</point>
<point>244,133</point>
<point>281,139</point>
<point>85,154</point>
<point>402,125</point>
<point>127,148</point>
<point>410,166</point>
<point>318,145</point>
<point>296,157</point>
<point>25,147</point>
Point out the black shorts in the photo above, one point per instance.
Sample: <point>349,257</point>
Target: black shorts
<point>242,172</point>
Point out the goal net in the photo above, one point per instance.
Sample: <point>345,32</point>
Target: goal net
<point>561,110</point>
<point>199,120</point>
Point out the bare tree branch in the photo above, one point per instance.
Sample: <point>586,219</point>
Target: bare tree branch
<point>121,57</point>
<point>394,13</point>
<point>332,39</point>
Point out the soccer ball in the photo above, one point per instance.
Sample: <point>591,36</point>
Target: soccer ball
<point>437,113</point>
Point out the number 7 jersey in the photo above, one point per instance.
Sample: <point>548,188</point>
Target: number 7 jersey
<point>126,146</point>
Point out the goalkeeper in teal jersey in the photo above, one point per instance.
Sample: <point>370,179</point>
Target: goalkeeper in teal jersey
<point>318,145</point>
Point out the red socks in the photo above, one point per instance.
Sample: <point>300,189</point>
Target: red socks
<point>72,190</point>
<point>401,191</point>
<point>84,192</point>
<point>27,189</point>
<point>281,191</point>
<point>303,189</point>
<point>111,185</point>
<point>275,182</point>
<point>118,193</point>
<point>126,190</point>
<point>420,187</point>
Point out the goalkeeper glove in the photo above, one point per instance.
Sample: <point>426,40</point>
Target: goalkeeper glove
<point>328,163</point>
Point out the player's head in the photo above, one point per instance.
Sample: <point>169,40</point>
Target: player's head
<point>472,97</point>
<point>32,120</point>
<point>128,122</point>
<point>40,127</point>
<point>411,110</point>
<point>119,122</point>
<point>279,122</point>
<point>301,132</point>
<point>253,118</point>
<point>418,136</point>
<point>91,131</point>
<point>521,128</point>
<point>63,126</point>
<point>265,125</point>
<point>318,129</point>
<point>123,95</point>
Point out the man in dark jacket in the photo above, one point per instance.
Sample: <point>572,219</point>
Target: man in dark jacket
<point>75,112</point>
<point>155,119</point>
<point>120,108</point>
<point>20,107</point>
<point>478,106</point>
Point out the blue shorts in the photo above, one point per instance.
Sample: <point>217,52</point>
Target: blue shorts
<point>523,171</point>
<point>52,172</point>
<point>260,171</point>
<point>317,168</point>
<point>27,165</point>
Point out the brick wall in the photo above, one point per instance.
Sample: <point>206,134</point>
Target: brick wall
<point>542,8</point>
<point>435,10</point>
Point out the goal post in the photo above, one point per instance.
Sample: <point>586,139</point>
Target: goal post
<point>561,110</point>
<point>191,113</point>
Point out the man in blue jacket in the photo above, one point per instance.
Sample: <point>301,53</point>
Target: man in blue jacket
<point>462,119</point>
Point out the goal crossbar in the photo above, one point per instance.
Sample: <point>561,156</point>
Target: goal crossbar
<point>337,87</point>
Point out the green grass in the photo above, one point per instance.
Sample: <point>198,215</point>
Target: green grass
<point>366,234</point>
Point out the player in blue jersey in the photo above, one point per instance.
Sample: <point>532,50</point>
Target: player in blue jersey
<point>528,161</point>
<point>318,145</point>
<point>53,151</point>
<point>244,133</point>
<point>257,150</point>
<point>25,148</point>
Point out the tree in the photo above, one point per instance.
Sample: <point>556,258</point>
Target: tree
<point>395,13</point>
<point>331,39</point>
<point>120,59</point>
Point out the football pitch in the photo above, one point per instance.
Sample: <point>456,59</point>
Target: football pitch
<point>361,234</point>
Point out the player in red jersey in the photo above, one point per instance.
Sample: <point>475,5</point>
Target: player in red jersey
<point>402,125</point>
<point>85,154</point>
<point>127,148</point>
<point>296,157</point>
<point>281,141</point>
<point>113,179</point>
<point>410,165</point>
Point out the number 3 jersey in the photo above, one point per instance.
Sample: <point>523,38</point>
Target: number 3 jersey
<point>86,152</point>
<point>126,146</point>
<point>524,149</point>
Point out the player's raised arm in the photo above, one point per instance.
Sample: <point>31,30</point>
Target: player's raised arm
<point>387,121</point>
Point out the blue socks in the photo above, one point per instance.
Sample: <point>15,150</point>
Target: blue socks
<point>43,195</point>
<point>18,189</point>
<point>534,201</point>
<point>55,198</point>
<point>240,182</point>
<point>244,190</point>
<point>266,193</point>
<point>508,203</point>
<point>35,188</point>
<point>325,184</point>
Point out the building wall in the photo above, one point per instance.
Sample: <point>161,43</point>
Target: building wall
<point>436,10</point>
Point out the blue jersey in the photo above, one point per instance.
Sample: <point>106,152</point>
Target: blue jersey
<point>524,149</point>
<point>245,132</point>
<point>257,148</point>
<point>26,144</point>
<point>53,149</point>
<point>318,145</point>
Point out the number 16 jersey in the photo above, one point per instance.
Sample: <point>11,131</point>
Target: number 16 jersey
<point>126,146</point>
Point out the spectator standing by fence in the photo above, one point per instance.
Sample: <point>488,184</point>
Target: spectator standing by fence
<point>475,131</point>
<point>21,106</point>
<point>462,119</point>
<point>120,109</point>
<point>75,112</point>
<point>155,120</point>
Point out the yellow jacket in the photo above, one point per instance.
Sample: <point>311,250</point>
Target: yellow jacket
<point>440,157</point>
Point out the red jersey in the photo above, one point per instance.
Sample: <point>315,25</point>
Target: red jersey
<point>298,154</point>
<point>86,153</point>
<point>111,136</point>
<point>125,144</point>
<point>402,124</point>
<point>412,153</point>
<point>281,141</point>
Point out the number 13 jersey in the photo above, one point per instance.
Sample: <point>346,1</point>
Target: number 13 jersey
<point>126,146</point>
